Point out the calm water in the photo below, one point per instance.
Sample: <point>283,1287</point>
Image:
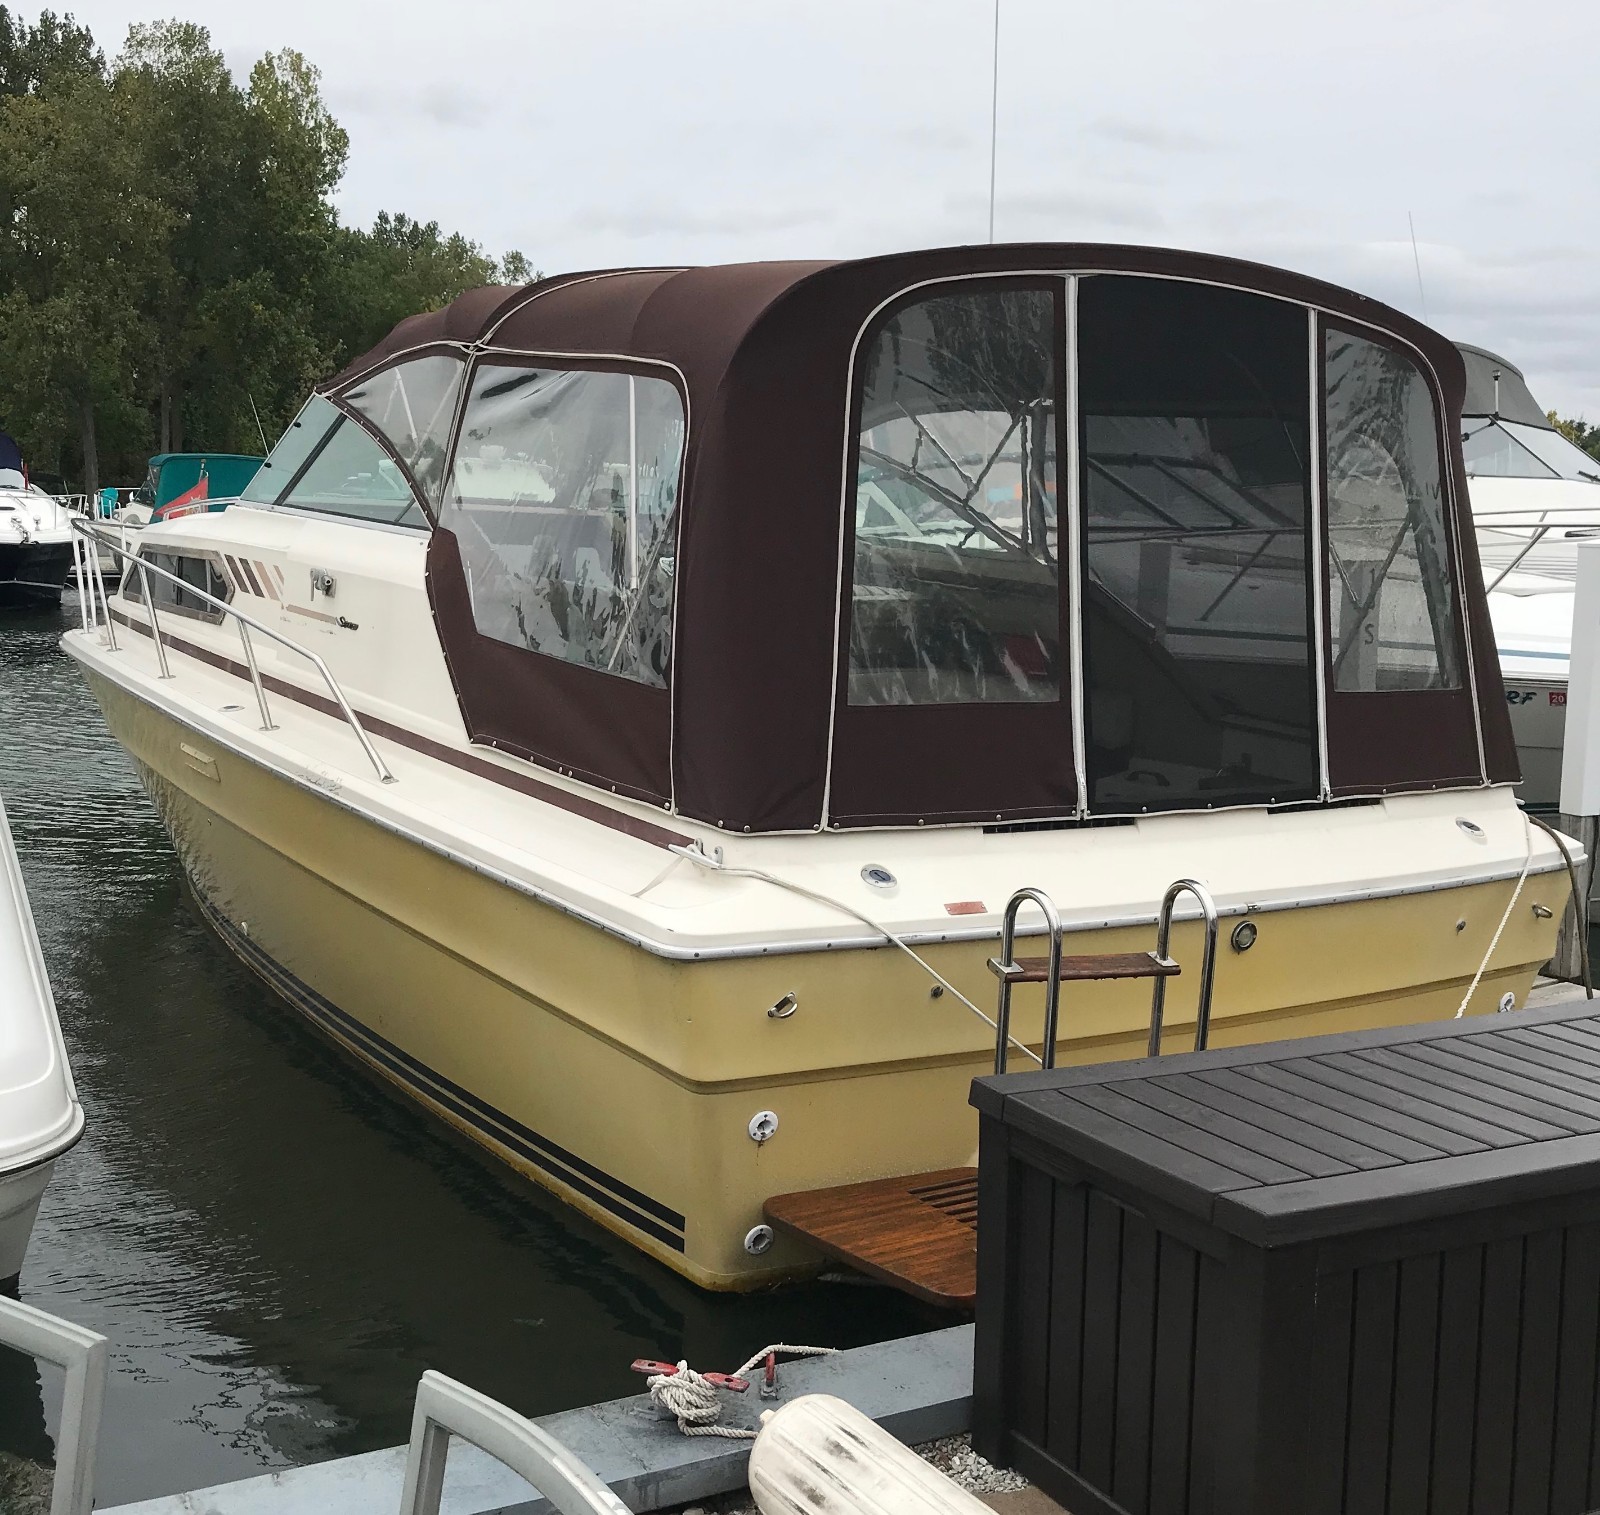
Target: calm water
<point>275,1246</point>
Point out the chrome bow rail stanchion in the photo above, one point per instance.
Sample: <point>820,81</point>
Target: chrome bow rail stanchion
<point>1208,965</point>
<point>99,607</point>
<point>150,610</point>
<point>1008,971</point>
<point>83,1354</point>
<point>444,1407</point>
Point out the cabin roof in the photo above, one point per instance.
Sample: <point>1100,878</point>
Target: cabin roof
<point>702,318</point>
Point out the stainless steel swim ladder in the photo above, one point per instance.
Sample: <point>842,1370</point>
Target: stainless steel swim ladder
<point>1054,969</point>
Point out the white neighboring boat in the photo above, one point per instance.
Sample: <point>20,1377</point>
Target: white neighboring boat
<point>35,546</point>
<point>40,1117</point>
<point>1535,496</point>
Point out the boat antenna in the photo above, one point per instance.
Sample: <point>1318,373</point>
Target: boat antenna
<point>261,430</point>
<point>994,113</point>
<point>1421,293</point>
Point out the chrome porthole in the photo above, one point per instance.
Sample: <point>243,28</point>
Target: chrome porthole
<point>1244,936</point>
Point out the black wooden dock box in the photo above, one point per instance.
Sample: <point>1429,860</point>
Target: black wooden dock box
<point>1352,1274</point>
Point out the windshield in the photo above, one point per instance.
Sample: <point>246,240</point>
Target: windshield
<point>305,432</point>
<point>1510,450</point>
<point>326,462</point>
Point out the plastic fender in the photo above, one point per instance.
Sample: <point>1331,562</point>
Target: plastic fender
<point>820,1456</point>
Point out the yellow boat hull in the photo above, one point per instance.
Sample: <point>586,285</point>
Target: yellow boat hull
<point>627,1082</point>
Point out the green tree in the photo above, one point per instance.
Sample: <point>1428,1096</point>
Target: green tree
<point>399,267</point>
<point>53,48</point>
<point>80,242</point>
<point>171,265</point>
<point>245,175</point>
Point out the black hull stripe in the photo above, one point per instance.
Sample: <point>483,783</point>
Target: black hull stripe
<point>618,1198</point>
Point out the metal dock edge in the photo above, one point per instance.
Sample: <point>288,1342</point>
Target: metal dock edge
<point>918,1388</point>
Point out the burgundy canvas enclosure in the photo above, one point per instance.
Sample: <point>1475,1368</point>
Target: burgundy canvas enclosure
<point>995,534</point>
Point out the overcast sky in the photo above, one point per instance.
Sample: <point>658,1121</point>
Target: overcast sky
<point>1298,132</point>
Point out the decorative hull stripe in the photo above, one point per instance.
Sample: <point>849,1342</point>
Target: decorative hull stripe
<point>574,804</point>
<point>628,1204</point>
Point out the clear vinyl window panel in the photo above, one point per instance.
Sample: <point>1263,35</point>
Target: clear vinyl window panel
<point>563,499</point>
<point>413,405</point>
<point>1392,617</point>
<point>956,585</point>
<point>1194,416</point>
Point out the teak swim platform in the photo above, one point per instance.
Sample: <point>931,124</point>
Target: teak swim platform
<point>620,708</point>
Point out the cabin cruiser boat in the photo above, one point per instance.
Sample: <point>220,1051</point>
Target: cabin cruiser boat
<point>185,483</point>
<point>621,708</point>
<point>40,1117</point>
<point>1535,496</point>
<point>35,536</point>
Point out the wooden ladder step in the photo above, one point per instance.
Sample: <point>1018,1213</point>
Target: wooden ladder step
<point>1036,970</point>
<point>918,1232</point>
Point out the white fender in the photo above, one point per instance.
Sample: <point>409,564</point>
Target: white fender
<point>820,1456</point>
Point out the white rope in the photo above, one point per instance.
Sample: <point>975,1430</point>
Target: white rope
<point>1494,941</point>
<point>694,855</point>
<point>695,1403</point>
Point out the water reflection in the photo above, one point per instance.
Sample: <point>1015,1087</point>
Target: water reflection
<point>276,1245</point>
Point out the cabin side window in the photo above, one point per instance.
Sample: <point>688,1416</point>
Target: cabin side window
<point>955,594</point>
<point>1392,607</point>
<point>1194,417</point>
<point>413,405</point>
<point>563,500</point>
<point>196,571</point>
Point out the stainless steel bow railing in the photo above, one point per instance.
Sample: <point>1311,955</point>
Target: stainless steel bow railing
<point>94,607</point>
<point>1539,525</point>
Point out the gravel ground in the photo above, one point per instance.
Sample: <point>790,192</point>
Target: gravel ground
<point>24,1487</point>
<point>953,1457</point>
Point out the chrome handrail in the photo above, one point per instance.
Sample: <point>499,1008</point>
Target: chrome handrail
<point>1005,968</point>
<point>1208,965</point>
<point>1537,521</point>
<point>245,623</point>
<point>83,1354</point>
<point>444,1406</point>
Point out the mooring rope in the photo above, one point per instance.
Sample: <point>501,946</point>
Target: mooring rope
<point>1580,902</point>
<point>695,1402</point>
<point>1494,941</point>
